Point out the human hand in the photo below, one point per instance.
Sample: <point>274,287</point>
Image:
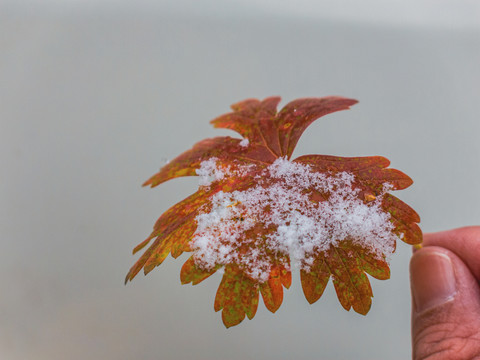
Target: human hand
<point>445,281</point>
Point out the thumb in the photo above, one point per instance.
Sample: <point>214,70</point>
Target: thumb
<point>446,306</point>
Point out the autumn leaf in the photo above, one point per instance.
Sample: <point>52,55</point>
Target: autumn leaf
<point>257,213</point>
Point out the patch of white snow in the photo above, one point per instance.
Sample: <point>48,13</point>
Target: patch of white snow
<point>244,142</point>
<point>281,201</point>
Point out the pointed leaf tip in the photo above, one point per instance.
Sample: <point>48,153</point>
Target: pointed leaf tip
<point>297,115</point>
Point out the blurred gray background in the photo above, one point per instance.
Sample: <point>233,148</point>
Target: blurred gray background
<point>96,95</point>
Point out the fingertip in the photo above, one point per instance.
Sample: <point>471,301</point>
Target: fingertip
<point>445,305</point>
<point>432,277</point>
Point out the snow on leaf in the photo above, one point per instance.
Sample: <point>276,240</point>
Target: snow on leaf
<point>257,214</point>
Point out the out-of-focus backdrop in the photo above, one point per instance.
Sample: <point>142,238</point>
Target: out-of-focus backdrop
<point>96,95</point>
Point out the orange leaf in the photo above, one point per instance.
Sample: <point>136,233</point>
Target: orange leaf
<point>256,212</point>
<point>272,289</point>
<point>351,284</point>
<point>315,279</point>
<point>237,296</point>
<point>191,273</point>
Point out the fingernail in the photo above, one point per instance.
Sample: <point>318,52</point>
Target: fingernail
<point>432,279</point>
